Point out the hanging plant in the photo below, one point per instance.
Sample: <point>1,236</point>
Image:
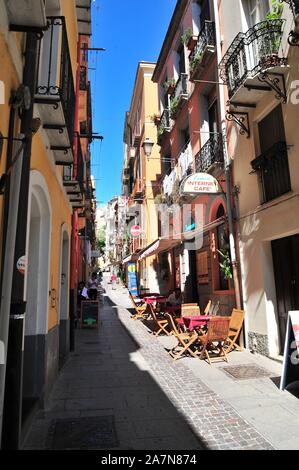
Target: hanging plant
<point>276,10</point>
<point>225,265</point>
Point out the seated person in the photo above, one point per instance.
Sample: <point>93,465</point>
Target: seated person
<point>175,298</point>
<point>93,287</point>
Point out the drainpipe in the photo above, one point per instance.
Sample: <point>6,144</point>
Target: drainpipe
<point>12,417</point>
<point>227,166</point>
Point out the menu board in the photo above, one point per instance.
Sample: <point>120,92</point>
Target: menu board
<point>89,314</point>
<point>290,367</point>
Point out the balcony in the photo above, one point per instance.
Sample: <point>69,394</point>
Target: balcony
<point>55,91</point>
<point>83,8</point>
<point>210,158</point>
<point>203,50</point>
<point>26,16</point>
<point>164,126</point>
<point>254,64</point>
<point>138,191</point>
<point>74,185</point>
<point>179,96</point>
<point>185,161</point>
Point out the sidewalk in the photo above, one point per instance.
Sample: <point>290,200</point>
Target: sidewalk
<point>121,390</point>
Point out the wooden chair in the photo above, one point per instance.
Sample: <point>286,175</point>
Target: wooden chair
<point>139,307</point>
<point>161,323</point>
<point>190,310</point>
<point>185,340</point>
<point>235,326</point>
<point>214,308</point>
<point>218,328</point>
<point>208,308</point>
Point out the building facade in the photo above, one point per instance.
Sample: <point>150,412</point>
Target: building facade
<point>43,177</point>
<point>260,69</point>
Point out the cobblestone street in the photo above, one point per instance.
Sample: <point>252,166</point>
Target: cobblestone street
<point>123,376</point>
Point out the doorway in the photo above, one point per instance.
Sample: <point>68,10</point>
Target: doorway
<point>64,346</point>
<point>285,253</point>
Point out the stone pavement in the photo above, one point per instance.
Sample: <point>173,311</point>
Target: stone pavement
<point>121,390</point>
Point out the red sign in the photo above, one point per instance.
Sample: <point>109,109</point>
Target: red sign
<point>135,231</point>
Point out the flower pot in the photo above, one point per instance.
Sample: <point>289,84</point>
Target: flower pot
<point>192,42</point>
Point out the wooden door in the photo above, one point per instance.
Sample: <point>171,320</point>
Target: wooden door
<point>285,252</point>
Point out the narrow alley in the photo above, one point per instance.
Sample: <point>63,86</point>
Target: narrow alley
<point>120,390</point>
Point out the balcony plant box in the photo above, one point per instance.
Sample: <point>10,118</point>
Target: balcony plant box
<point>192,42</point>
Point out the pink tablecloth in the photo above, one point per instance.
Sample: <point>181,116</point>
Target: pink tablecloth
<point>194,322</point>
<point>154,299</point>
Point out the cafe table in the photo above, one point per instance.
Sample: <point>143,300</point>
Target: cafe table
<point>198,321</point>
<point>155,299</point>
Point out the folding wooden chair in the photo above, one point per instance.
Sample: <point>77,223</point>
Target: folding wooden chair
<point>190,310</point>
<point>218,328</point>
<point>140,307</point>
<point>185,340</point>
<point>235,326</point>
<point>161,323</point>
<point>208,308</point>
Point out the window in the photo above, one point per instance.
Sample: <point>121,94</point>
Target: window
<point>272,165</point>
<point>83,78</point>
<point>258,9</point>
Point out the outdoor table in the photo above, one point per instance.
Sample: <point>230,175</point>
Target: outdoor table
<point>194,322</point>
<point>172,309</point>
<point>155,298</point>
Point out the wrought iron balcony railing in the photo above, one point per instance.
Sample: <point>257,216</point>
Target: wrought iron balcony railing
<point>55,84</point>
<point>252,53</point>
<point>206,42</point>
<point>179,95</point>
<point>80,168</point>
<point>164,125</point>
<point>185,160</point>
<point>210,154</point>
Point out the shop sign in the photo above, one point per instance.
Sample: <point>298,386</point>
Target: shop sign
<point>135,231</point>
<point>200,183</point>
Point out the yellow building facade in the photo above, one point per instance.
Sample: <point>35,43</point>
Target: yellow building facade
<point>39,280</point>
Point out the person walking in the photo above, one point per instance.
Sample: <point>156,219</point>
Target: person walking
<point>93,287</point>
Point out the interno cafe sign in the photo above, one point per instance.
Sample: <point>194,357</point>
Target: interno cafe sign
<point>200,183</point>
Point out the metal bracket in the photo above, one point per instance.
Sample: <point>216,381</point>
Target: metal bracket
<point>241,119</point>
<point>277,82</point>
<point>293,38</point>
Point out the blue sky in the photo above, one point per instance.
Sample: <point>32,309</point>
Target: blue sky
<point>130,31</point>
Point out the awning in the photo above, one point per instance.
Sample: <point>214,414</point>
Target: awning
<point>163,244</point>
<point>133,257</point>
<point>159,245</point>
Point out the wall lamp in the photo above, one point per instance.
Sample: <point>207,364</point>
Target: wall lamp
<point>148,147</point>
<point>293,38</point>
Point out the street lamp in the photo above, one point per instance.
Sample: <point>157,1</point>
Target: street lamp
<point>148,147</point>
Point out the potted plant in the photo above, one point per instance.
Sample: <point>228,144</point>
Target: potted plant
<point>156,118</point>
<point>169,85</point>
<point>273,41</point>
<point>173,108</point>
<point>195,61</point>
<point>225,265</point>
<point>189,39</point>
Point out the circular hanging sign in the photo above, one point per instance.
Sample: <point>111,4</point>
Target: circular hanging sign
<point>135,231</point>
<point>200,183</point>
<point>22,264</point>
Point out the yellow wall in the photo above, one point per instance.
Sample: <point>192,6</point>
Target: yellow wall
<point>8,76</point>
<point>61,214</point>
